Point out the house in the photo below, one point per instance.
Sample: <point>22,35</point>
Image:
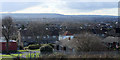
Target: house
<point>27,37</point>
<point>12,45</point>
<point>66,35</point>
<point>61,45</point>
<point>117,30</point>
<point>30,39</point>
<point>112,42</point>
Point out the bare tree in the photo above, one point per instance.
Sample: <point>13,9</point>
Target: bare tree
<point>7,30</point>
<point>86,42</point>
<point>37,29</point>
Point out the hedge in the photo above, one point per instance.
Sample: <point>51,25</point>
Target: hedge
<point>31,47</point>
<point>46,49</point>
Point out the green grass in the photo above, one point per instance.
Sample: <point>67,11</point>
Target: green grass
<point>7,56</point>
<point>22,50</point>
<point>16,55</point>
<point>11,55</point>
<point>33,54</point>
<point>44,44</point>
<point>34,50</point>
<point>28,50</point>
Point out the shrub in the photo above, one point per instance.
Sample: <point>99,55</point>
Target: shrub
<point>119,47</point>
<point>51,45</point>
<point>10,51</point>
<point>86,42</point>
<point>25,48</point>
<point>21,48</point>
<point>46,49</point>
<point>44,44</point>
<point>34,47</point>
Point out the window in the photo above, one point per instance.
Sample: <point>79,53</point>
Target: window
<point>38,36</point>
<point>54,36</point>
<point>44,37</point>
<point>29,37</point>
<point>69,38</point>
<point>23,37</point>
<point>48,36</point>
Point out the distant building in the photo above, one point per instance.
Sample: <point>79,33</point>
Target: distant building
<point>66,35</point>
<point>112,42</point>
<point>64,38</point>
<point>27,37</point>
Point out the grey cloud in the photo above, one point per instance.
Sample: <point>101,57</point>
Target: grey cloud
<point>14,6</point>
<point>91,6</point>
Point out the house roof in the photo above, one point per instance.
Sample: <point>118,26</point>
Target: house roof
<point>111,39</point>
<point>67,33</point>
<point>1,40</point>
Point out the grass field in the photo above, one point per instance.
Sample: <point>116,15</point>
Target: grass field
<point>13,55</point>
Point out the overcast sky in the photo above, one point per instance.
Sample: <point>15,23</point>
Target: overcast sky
<point>65,7</point>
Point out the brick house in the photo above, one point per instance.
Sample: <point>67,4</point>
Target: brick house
<point>12,45</point>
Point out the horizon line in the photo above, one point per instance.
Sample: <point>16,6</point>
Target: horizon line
<point>57,13</point>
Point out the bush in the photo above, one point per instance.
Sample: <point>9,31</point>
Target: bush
<point>86,42</point>
<point>21,48</point>
<point>44,44</point>
<point>46,49</point>
<point>51,45</point>
<point>10,51</point>
<point>119,47</point>
<point>25,48</point>
<point>31,47</point>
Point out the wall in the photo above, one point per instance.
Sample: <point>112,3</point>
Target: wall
<point>12,46</point>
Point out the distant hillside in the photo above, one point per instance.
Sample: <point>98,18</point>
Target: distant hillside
<point>60,17</point>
